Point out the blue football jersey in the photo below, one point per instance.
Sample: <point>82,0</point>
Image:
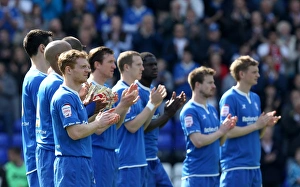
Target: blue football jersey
<point>151,138</point>
<point>31,83</point>
<point>197,118</point>
<point>131,150</point>
<point>44,129</point>
<point>244,151</point>
<point>67,109</point>
<point>108,139</point>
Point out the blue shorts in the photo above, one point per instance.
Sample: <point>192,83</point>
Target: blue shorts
<point>33,180</point>
<point>44,163</point>
<point>129,177</point>
<point>201,181</point>
<point>106,165</point>
<point>73,172</point>
<point>241,177</point>
<point>156,174</point>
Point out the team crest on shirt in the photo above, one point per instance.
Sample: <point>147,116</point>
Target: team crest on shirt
<point>256,105</point>
<point>225,110</point>
<point>188,121</point>
<point>66,110</point>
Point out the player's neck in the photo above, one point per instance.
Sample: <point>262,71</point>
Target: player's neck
<point>146,83</point>
<point>98,78</point>
<point>128,79</point>
<point>243,87</point>
<point>39,63</point>
<point>76,86</point>
<point>199,99</point>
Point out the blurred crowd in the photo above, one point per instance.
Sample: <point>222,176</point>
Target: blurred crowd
<point>182,34</point>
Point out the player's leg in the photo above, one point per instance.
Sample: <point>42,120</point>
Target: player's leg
<point>105,167</point>
<point>161,177</point>
<point>236,178</point>
<point>257,178</point>
<point>33,180</point>
<point>44,163</point>
<point>73,171</point>
<point>129,177</point>
<point>201,181</point>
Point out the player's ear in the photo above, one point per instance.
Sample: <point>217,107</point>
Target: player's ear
<point>42,48</point>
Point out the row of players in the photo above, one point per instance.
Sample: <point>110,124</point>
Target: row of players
<point>118,147</point>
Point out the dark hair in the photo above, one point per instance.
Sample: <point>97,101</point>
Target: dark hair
<point>34,39</point>
<point>74,42</point>
<point>145,55</point>
<point>97,54</point>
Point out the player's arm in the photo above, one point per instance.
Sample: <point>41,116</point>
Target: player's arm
<point>103,120</point>
<point>273,120</point>
<point>144,118</point>
<point>171,107</point>
<point>129,97</point>
<point>238,131</point>
<point>199,140</point>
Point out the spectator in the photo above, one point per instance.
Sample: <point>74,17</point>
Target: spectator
<point>11,18</point>
<point>174,47</point>
<point>72,18</point>
<point>272,160</point>
<point>293,167</point>
<point>8,92</point>
<point>117,39</point>
<point>3,182</point>
<point>55,27</point>
<point>181,71</point>
<point>50,9</point>
<point>278,52</point>
<point>133,16</point>
<point>146,38</point>
<point>164,76</point>
<point>173,18</point>
<point>5,47</point>
<point>15,168</point>
<point>237,22</point>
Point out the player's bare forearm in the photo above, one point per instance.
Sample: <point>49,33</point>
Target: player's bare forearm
<point>160,122</point>
<point>241,131</point>
<point>133,125</point>
<point>262,132</point>
<point>223,139</point>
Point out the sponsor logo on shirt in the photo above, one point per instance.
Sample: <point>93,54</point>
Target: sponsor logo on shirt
<point>249,119</point>
<point>188,121</point>
<point>225,110</point>
<point>66,110</point>
<point>210,129</point>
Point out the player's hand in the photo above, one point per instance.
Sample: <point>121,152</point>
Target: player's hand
<point>274,119</point>
<point>129,96</point>
<point>157,95</point>
<point>83,93</point>
<point>263,120</point>
<point>174,104</point>
<point>228,124</point>
<point>101,104</point>
<point>107,118</point>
